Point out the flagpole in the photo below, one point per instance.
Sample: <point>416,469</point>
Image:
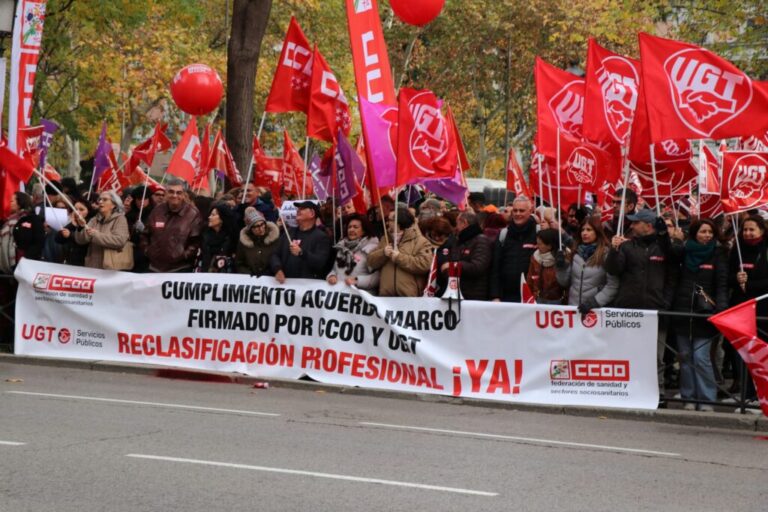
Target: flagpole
<point>261,125</point>
<point>333,216</point>
<point>541,180</point>
<point>143,194</point>
<point>578,199</point>
<point>394,225</point>
<point>655,182</point>
<point>304,175</point>
<point>620,224</point>
<point>738,246</point>
<point>248,177</point>
<point>559,206</point>
<point>285,228</point>
<point>45,181</point>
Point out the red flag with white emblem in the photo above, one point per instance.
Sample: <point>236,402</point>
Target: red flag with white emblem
<point>426,148</point>
<point>328,107</point>
<point>293,76</point>
<point>515,179</point>
<point>186,159</point>
<point>611,94</point>
<point>745,181</point>
<point>559,105</point>
<point>697,94</point>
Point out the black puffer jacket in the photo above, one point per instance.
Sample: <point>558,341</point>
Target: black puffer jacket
<point>712,277</point>
<point>511,259</point>
<point>472,250</point>
<point>645,272</point>
<point>313,261</point>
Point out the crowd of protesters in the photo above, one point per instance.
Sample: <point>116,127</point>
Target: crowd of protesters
<point>669,262</point>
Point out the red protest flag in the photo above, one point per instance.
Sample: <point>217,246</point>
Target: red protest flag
<point>29,144</point>
<point>515,179</point>
<point>526,295</point>
<point>328,107</point>
<point>612,84</point>
<point>293,77</point>
<point>739,325</point>
<point>145,152</point>
<point>698,94</point>
<point>185,161</point>
<point>559,105</point>
<point>15,166</point>
<point>267,171</point>
<point>293,167</point>
<point>745,181</point>
<point>709,172</point>
<point>586,166</point>
<point>426,149</point>
<point>463,160</point>
<point>222,160</point>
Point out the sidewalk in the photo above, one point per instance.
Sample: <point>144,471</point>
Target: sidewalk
<point>723,420</point>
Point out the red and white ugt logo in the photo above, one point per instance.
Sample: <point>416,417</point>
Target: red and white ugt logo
<point>705,96</point>
<point>582,166</point>
<point>429,138</point>
<point>747,181</point>
<point>64,336</point>
<point>618,81</point>
<point>61,283</point>
<point>567,107</point>
<point>589,369</point>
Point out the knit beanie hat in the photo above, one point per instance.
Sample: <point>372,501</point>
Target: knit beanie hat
<point>252,216</point>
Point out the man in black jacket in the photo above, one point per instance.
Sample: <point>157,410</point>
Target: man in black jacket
<point>307,253</point>
<point>645,271</point>
<point>512,252</point>
<point>472,250</point>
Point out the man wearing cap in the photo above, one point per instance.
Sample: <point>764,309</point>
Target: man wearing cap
<point>645,272</point>
<point>630,205</point>
<point>307,254</point>
<point>171,237</point>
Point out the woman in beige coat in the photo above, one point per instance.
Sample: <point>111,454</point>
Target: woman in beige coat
<point>107,230</point>
<point>404,270</point>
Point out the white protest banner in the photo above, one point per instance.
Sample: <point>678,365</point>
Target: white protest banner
<point>339,335</point>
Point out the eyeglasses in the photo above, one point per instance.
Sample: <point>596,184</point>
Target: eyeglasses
<point>175,192</point>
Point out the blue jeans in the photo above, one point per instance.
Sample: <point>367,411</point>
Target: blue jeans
<point>697,378</point>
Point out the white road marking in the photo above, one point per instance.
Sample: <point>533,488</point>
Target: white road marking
<point>522,439</point>
<point>134,402</point>
<point>11,443</point>
<point>314,473</point>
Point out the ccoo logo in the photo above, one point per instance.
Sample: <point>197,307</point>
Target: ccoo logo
<point>567,107</point>
<point>619,83</point>
<point>705,96</point>
<point>747,181</point>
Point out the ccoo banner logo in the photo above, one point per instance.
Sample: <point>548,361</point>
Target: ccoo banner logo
<point>705,96</point>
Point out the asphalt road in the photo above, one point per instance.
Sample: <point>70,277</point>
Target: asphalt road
<point>79,440</point>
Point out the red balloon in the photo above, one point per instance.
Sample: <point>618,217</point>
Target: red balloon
<point>197,89</point>
<point>417,12</point>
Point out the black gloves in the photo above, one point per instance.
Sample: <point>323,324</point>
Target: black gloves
<point>660,225</point>
<point>560,259</point>
<point>588,305</point>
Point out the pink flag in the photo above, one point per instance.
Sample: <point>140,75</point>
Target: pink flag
<point>380,124</point>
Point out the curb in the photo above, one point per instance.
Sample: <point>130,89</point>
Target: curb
<point>730,421</point>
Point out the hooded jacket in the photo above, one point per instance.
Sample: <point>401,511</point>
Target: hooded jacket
<point>254,253</point>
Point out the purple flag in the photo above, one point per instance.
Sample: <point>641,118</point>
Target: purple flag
<point>348,164</point>
<point>453,190</point>
<point>380,125</point>
<point>101,159</point>
<point>320,178</point>
<point>49,128</point>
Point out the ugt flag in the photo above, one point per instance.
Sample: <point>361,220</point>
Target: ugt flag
<point>697,94</point>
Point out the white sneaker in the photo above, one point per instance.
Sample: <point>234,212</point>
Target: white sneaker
<point>706,408</point>
<point>689,407</point>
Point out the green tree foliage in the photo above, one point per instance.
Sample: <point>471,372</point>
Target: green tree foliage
<point>113,60</point>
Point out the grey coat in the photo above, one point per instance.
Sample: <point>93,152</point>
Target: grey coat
<point>367,279</point>
<point>587,282</point>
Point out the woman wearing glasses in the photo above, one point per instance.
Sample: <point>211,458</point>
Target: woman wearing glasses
<point>107,230</point>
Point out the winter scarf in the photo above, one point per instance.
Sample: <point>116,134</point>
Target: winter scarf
<point>696,253</point>
<point>345,253</point>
